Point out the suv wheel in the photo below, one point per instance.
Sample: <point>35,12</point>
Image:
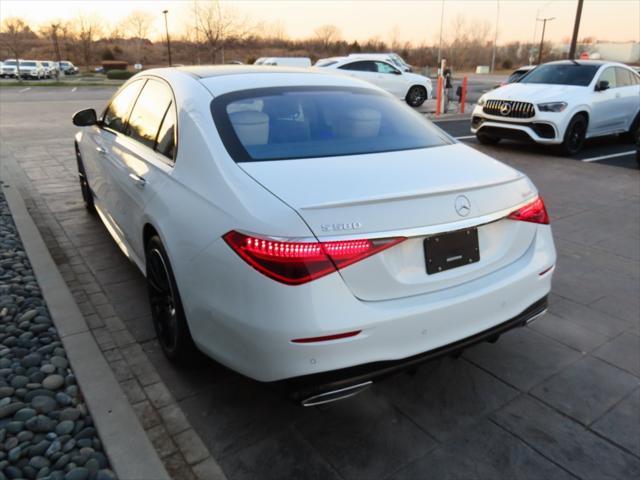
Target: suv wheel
<point>574,136</point>
<point>416,96</point>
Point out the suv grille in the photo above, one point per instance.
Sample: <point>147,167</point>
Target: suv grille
<point>508,108</point>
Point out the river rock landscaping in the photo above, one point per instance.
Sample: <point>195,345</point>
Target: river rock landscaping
<point>46,431</point>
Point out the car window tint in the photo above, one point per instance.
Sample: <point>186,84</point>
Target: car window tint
<point>166,144</point>
<point>363,66</point>
<point>385,68</point>
<point>609,75</point>
<point>115,116</point>
<point>148,112</point>
<point>562,74</point>
<point>623,77</point>
<point>303,122</point>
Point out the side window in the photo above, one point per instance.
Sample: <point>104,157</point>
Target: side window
<point>115,116</point>
<point>148,112</point>
<point>609,75</point>
<point>623,77</point>
<point>364,66</point>
<point>166,144</point>
<point>383,67</point>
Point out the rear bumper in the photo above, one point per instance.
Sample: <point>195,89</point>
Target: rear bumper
<point>317,384</point>
<point>247,321</point>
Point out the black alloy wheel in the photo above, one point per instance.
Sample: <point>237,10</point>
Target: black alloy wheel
<point>416,96</point>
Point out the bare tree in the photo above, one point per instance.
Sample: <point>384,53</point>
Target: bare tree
<point>53,31</point>
<point>326,35</point>
<point>88,28</point>
<point>220,25</point>
<point>137,24</point>
<point>15,35</point>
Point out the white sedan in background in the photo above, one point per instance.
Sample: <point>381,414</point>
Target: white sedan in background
<point>308,227</point>
<point>411,87</point>
<point>562,103</point>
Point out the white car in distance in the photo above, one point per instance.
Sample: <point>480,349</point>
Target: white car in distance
<point>308,228</point>
<point>411,87</point>
<point>562,103</point>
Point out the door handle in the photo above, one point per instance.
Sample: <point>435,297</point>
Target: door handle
<point>101,150</point>
<point>138,180</point>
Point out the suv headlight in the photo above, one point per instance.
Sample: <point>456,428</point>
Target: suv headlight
<point>552,106</point>
<point>482,101</point>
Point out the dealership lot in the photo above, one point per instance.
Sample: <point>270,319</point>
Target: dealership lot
<point>558,399</point>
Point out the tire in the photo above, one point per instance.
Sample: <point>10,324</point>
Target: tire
<point>485,139</point>
<point>87,194</point>
<point>416,96</point>
<point>574,136</point>
<point>169,320</point>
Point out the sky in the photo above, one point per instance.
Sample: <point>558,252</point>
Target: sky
<point>417,21</point>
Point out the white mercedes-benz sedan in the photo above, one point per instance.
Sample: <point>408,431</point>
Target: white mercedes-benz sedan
<point>302,226</point>
<point>562,103</point>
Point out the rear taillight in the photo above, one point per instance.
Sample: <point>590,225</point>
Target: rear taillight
<point>534,212</point>
<point>294,263</point>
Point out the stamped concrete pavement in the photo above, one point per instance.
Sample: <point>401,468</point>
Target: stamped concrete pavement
<point>557,399</point>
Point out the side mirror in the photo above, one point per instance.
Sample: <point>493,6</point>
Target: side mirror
<point>85,118</point>
<point>397,72</point>
<point>602,85</point>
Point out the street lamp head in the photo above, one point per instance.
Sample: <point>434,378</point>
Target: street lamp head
<point>165,11</point>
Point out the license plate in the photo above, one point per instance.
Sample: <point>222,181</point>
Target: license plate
<point>451,250</point>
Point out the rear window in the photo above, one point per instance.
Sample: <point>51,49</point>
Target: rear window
<point>562,74</point>
<point>301,122</point>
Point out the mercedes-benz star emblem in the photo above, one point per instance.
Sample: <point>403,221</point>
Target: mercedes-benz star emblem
<point>505,109</point>
<point>463,206</point>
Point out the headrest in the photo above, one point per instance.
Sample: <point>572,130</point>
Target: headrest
<point>360,123</point>
<point>251,127</point>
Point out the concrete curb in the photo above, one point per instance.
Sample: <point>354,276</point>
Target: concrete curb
<point>125,442</point>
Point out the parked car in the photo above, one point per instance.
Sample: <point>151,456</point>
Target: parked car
<point>301,62</point>
<point>32,69</point>
<point>391,57</point>
<point>561,103</point>
<point>50,69</point>
<point>412,88</point>
<point>260,61</point>
<point>309,228</point>
<point>517,74</point>
<point>68,68</point>
<point>9,68</point>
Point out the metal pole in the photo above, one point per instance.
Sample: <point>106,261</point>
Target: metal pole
<point>495,38</point>
<point>544,27</point>
<point>576,28</point>
<point>440,44</point>
<point>166,29</point>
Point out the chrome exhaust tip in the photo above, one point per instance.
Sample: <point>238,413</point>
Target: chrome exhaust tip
<point>535,317</point>
<point>335,395</point>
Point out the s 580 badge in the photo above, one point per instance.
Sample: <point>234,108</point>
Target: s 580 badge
<point>339,227</point>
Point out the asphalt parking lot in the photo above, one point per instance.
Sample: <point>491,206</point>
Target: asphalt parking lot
<point>557,399</point>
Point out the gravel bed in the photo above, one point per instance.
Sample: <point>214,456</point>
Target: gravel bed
<point>46,431</point>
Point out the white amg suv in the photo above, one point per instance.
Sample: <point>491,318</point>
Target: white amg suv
<point>562,103</point>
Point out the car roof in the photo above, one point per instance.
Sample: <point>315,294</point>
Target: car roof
<point>208,71</point>
<point>583,62</point>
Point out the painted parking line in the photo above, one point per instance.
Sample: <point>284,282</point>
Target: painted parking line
<point>25,90</point>
<point>74,89</point>
<point>611,155</point>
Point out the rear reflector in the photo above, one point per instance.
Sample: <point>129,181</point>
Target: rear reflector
<point>534,212</point>
<point>295,263</point>
<point>327,337</point>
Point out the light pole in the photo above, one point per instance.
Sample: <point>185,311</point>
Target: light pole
<point>495,38</point>
<point>544,26</point>
<point>166,29</point>
<point>440,44</point>
<point>576,28</point>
